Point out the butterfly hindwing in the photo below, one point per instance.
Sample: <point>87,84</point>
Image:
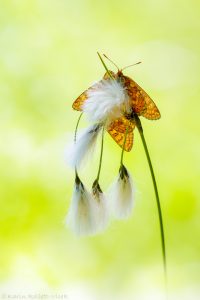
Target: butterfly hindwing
<point>119,139</point>
<point>117,129</point>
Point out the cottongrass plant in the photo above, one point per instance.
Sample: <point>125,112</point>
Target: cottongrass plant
<point>88,212</point>
<point>114,104</point>
<point>84,145</point>
<point>102,212</point>
<point>81,215</point>
<point>122,194</point>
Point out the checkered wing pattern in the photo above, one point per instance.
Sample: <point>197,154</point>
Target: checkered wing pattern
<point>121,129</point>
<point>142,104</point>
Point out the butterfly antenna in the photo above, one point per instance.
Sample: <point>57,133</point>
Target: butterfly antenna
<point>111,61</point>
<point>131,65</point>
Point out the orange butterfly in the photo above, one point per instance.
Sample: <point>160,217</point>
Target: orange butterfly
<point>141,104</point>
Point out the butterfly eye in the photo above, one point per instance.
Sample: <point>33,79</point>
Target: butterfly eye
<point>121,77</point>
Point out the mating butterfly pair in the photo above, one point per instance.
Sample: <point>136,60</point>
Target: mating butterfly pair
<point>141,105</point>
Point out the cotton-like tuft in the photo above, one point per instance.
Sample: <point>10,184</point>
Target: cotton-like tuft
<point>101,207</point>
<point>122,195</point>
<point>84,145</point>
<point>107,101</point>
<point>81,215</point>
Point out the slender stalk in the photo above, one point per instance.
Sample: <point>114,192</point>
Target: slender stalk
<point>140,129</point>
<point>76,129</point>
<point>75,136</point>
<point>96,187</point>
<point>101,156</point>
<point>122,154</point>
<point>105,66</point>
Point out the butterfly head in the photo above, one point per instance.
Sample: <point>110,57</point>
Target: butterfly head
<point>120,76</point>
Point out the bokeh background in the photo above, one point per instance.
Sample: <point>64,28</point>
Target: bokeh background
<point>47,58</point>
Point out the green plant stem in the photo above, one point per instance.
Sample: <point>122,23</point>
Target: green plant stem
<point>105,66</point>
<point>122,154</point>
<point>75,136</point>
<point>101,156</point>
<point>140,129</point>
<point>76,129</point>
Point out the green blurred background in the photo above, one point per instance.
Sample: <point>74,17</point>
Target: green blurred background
<point>47,58</point>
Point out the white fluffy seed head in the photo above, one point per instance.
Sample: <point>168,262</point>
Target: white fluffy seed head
<point>81,215</point>
<point>101,213</point>
<point>106,101</point>
<point>84,145</point>
<point>122,195</point>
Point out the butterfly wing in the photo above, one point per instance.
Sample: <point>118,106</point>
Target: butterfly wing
<point>117,129</point>
<point>142,104</point>
<point>78,103</point>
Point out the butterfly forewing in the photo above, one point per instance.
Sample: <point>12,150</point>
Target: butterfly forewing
<point>142,104</point>
<point>120,129</point>
<point>78,103</point>
<point>151,112</point>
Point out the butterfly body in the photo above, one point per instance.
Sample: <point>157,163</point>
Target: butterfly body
<point>140,104</point>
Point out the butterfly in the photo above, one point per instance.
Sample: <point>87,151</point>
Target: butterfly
<point>121,129</point>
